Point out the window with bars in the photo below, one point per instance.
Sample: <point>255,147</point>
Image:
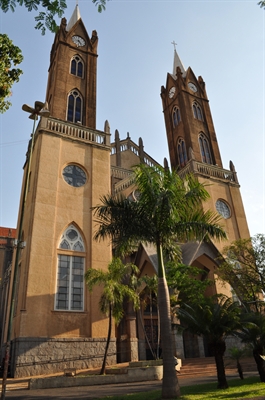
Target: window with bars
<point>70,273</point>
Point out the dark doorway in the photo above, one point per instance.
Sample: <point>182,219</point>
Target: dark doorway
<point>191,346</point>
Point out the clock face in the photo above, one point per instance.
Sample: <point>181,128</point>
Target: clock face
<point>78,40</point>
<point>192,87</point>
<point>74,175</point>
<point>171,92</point>
<point>223,209</point>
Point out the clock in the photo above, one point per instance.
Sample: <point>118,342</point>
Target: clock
<point>223,209</point>
<point>74,175</point>
<point>192,87</point>
<point>171,92</point>
<point>78,40</point>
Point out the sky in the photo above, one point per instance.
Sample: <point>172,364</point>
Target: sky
<point>222,41</point>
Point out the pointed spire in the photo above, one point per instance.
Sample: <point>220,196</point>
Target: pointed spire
<point>178,63</point>
<point>74,18</point>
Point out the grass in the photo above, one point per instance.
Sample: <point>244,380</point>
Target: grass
<point>248,388</point>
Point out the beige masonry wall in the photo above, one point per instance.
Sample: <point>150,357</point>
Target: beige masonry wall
<point>51,206</point>
<point>236,226</point>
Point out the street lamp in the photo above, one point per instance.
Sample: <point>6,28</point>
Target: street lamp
<point>40,109</point>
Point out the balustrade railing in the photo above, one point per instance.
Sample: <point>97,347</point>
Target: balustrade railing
<point>124,184</point>
<point>125,145</point>
<point>208,170</point>
<point>75,131</point>
<point>120,173</point>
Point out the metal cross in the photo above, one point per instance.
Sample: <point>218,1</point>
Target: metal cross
<point>174,44</point>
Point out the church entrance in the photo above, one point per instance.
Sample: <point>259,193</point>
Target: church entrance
<point>191,346</point>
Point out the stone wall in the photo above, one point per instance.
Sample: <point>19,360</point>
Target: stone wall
<point>39,356</point>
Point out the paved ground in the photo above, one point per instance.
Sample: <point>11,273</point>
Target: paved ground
<point>99,392</point>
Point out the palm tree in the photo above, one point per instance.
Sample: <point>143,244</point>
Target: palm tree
<point>235,354</point>
<point>117,284</point>
<point>214,319</point>
<point>168,211</point>
<point>252,333</point>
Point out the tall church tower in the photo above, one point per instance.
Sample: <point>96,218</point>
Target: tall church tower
<point>193,147</point>
<point>71,90</point>
<point>56,322</point>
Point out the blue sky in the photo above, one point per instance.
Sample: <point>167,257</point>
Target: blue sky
<point>223,41</point>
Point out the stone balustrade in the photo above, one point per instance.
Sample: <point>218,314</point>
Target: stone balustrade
<point>75,131</point>
<point>207,170</point>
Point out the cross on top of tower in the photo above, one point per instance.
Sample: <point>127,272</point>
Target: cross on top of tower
<point>174,44</point>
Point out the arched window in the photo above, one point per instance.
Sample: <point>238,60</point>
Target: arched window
<point>205,149</point>
<point>176,116</point>
<point>70,272</point>
<point>77,66</point>
<point>182,153</point>
<point>74,108</point>
<point>197,111</point>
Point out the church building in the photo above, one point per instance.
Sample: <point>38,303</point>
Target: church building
<point>55,322</point>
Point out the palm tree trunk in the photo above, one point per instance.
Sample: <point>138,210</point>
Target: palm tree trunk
<point>152,326</point>
<point>170,386</point>
<point>239,369</point>
<point>260,362</point>
<point>158,333</point>
<point>219,351</point>
<point>103,368</point>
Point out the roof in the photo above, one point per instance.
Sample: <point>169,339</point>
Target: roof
<point>7,232</point>
<point>178,63</point>
<point>74,18</point>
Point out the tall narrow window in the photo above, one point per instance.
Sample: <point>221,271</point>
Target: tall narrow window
<point>205,149</point>
<point>74,109</point>
<point>182,153</point>
<point>70,272</point>
<point>197,111</point>
<point>77,66</point>
<point>176,116</point>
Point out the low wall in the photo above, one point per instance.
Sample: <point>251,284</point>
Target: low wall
<point>129,375</point>
<point>39,356</point>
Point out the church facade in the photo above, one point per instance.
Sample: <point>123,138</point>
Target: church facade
<point>55,322</point>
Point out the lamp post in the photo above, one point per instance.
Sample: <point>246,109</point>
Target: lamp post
<point>40,109</point>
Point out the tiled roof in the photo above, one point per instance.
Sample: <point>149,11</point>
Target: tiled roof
<point>7,233</point>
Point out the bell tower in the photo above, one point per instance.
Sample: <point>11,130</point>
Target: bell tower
<point>193,146</point>
<point>67,170</point>
<point>71,89</point>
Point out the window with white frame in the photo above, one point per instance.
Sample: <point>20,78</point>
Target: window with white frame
<point>74,107</point>
<point>77,66</point>
<point>205,149</point>
<point>182,153</point>
<point>70,271</point>
<point>176,116</point>
<point>197,111</point>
